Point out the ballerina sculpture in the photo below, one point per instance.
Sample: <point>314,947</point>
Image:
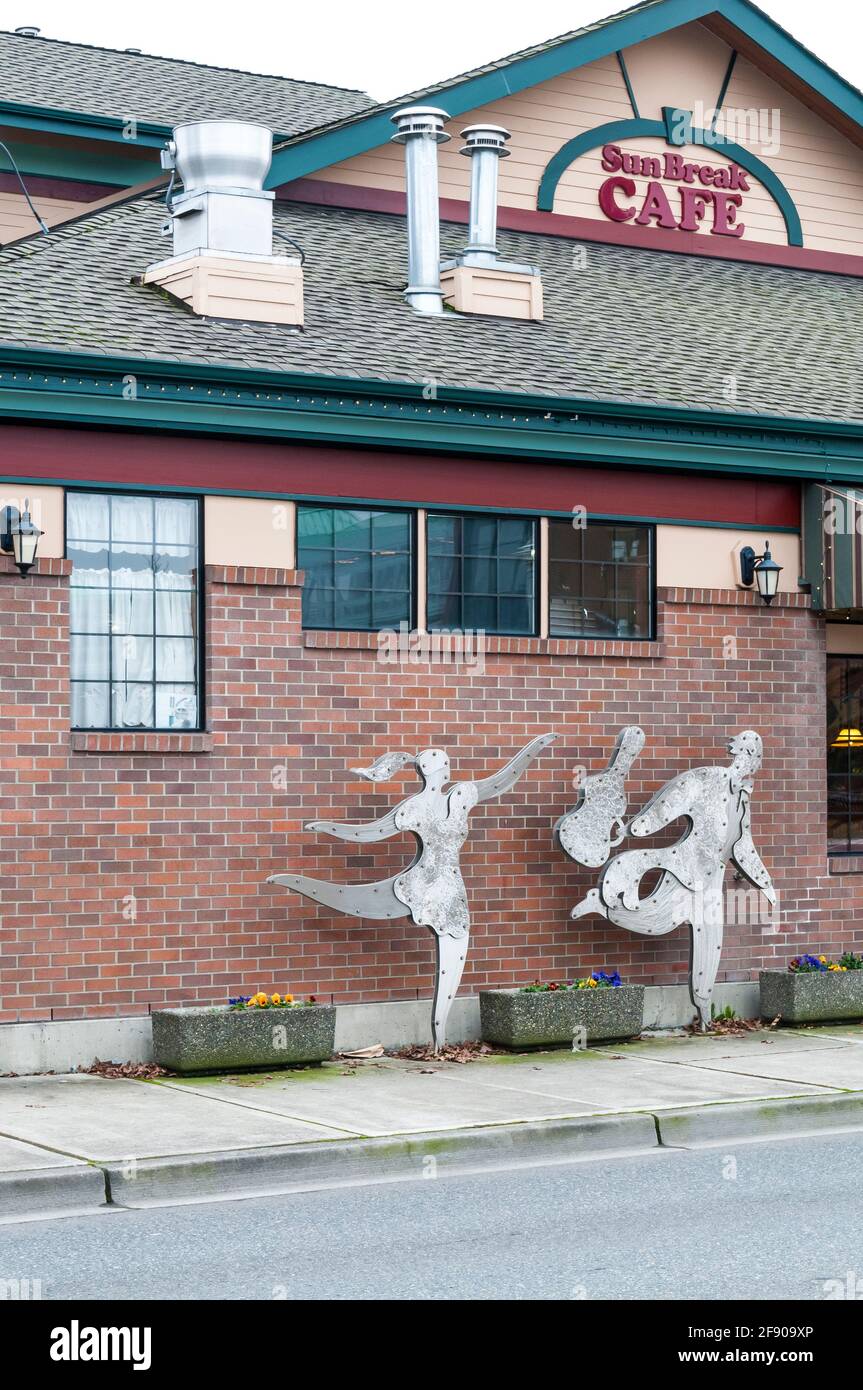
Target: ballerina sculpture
<point>431,890</point>
<point>715,800</point>
<point>585,832</point>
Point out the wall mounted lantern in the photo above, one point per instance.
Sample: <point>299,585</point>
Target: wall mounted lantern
<point>762,569</point>
<point>19,537</point>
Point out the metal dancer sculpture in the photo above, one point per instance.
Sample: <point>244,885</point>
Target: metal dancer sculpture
<point>585,832</point>
<point>431,889</point>
<point>715,800</point>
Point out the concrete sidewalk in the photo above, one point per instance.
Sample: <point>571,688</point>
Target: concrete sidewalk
<point>79,1143</point>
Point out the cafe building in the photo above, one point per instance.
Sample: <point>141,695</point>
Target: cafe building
<point>528,403</point>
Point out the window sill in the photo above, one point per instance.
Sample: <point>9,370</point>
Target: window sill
<point>423,648</point>
<point>145,741</point>
<point>845,863</point>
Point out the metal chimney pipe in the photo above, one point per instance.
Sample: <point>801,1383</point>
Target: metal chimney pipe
<point>420,130</point>
<point>485,148</point>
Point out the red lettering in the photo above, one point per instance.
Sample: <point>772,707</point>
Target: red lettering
<point>656,208</point>
<point>673,165</point>
<point>693,204</point>
<point>608,202</point>
<point>725,207</point>
<point>611,158</point>
<point>705,173</point>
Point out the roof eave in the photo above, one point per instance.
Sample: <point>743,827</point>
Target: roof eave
<point>312,151</point>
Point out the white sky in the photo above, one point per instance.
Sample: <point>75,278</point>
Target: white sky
<point>386,47</point>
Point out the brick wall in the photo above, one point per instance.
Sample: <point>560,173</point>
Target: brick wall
<point>132,866</point>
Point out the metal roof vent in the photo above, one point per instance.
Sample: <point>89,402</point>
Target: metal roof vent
<point>485,147</point>
<point>223,264</point>
<point>28,31</point>
<point>477,281</point>
<point>420,130</point>
<point>224,206</point>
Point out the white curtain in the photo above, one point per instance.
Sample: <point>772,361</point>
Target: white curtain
<point>132,611</point>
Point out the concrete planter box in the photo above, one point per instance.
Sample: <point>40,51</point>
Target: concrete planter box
<point>512,1018</point>
<point>811,997</point>
<point>221,1038</point>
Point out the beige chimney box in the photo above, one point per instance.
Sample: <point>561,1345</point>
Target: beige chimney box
<point>503,292</point>
<point>222,225</point>
<point>226,285</point>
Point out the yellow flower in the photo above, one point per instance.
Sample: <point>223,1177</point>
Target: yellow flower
<point>250,1003</point>
<point>822,959</point>
<point>591,984</point>
<point>289,999</point>
<point>275,999</point>
<point>260,998</point>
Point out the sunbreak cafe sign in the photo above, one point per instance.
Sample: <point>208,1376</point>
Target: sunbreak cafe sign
<point>702,195</point>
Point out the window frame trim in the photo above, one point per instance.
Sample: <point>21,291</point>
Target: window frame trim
<point>508,515</point>
<point>650,528</point>
<point>837,853</point>
<point>200,612</point>
<point>412,514</point>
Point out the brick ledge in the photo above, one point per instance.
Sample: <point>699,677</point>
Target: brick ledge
<point>731,598</point>
<point>196,741</point>
<point>504,646</point>
<point>845,864</point>
<point>48,566</point>
<point>264,577</point>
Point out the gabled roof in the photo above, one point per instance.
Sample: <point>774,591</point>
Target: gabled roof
<point>73,291</point>
<point>358,133</point>
<point>53,75</point>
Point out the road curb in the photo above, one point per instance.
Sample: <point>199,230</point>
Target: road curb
<point>47,1192</point>
<point>743,1121</point>
<point>260,1172</point>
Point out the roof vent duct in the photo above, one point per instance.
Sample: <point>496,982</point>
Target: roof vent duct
<point>224,206</point>
<point>420,130</point>
<point>223,264</point>
<point>485,148</point>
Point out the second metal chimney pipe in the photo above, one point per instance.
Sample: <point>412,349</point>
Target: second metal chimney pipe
<point>420,130</point>
<point>485,148</point>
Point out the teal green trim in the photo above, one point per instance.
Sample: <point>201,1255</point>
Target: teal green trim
<point>624,72</point>
<point>723,90</point>
<point>629,129</point>
<point>677,126</point>
<point>85,166</point>
<point>253,384</point>
<point>68,388</point>
<point>683,134</point>
<point>308,154</point>
<point>114,128</point>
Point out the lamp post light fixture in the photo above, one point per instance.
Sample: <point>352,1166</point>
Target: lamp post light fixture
<point>19,537</point>
<point>760,569</point>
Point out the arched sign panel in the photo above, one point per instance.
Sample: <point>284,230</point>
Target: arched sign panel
<point>668,188</point>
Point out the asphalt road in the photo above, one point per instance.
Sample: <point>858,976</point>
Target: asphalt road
<point>756,1221</point>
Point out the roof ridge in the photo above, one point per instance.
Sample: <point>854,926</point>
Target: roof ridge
<point>187,62</point>
<point>480,69</point>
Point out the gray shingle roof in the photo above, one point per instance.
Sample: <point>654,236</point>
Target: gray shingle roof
<point>105,82</point>
<point>631,325</point>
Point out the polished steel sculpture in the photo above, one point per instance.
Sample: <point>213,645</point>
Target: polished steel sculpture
<point>715,801</point>
<point>431,889</point>
<point>585,832</point>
